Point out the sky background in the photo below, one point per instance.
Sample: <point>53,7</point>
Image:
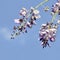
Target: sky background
<point>26,46</point>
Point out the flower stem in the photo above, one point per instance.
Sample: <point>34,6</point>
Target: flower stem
<point>54,16</point>
<point>40,4</point>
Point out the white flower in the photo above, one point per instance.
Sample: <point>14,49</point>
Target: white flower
<point>58,21</point>
<point>49,36</point>
<point>52,13</point>
<point>34,22</point>
<point>42,43</point>
<point>43,25</point>
<point>16,21</point>
<point>53,31</point>
<point>36,12</point>
<point>47,30</point>
<point>55,26</point>
<point>43,32</point>
<point>23,12</point>
<point>28,24</point>
<point>32,8</point>
<point>37,16</point>
<point>58,4</point>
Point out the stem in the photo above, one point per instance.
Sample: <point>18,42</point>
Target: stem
<point>40,4</point>
<point>54,16</point>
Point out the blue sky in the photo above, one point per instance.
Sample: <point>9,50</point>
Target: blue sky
<point>25,46</point>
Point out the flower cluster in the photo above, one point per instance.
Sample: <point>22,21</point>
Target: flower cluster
<point>28,19</point>
<point>47,32</point>
<point>56,8</point>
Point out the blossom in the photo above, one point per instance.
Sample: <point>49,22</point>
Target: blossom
<point>47,33</point>
<point>58,21</point>
<point>16,21</point>
<point>23,12</point>
<point>35,13</point>
<point>56,8</point>
<point>28,24</point>
<point>28,20</point>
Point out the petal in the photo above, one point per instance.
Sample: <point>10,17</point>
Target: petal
<point>58,4</point>
<point>32,8</point>
<point>38,16</point>
<point>52,29</point>
<point>43,25</point>
<point>52,39</point>
<point>16,21</point>
<point>58,21</point>
<point>36,12</point>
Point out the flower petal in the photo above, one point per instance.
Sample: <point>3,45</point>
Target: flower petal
<point>16,21</point>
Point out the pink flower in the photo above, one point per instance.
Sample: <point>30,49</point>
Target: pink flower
<point>52,39</point>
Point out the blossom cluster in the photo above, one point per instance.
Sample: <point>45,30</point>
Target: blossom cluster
<point>56,8</point>
<point>28,19</point>
<point>47,33</point>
